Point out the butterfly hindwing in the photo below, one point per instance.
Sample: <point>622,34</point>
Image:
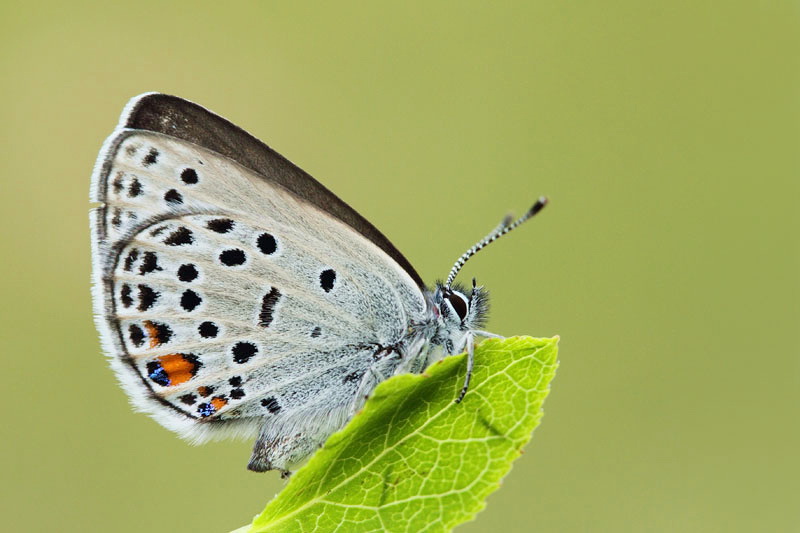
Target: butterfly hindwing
<point>226,300</point>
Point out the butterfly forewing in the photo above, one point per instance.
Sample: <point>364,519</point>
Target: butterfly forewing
<point>226,296</point>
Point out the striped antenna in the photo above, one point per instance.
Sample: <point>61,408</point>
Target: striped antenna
<point>505,226</point>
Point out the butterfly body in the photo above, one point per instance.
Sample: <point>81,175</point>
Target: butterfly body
<point>236,296</point>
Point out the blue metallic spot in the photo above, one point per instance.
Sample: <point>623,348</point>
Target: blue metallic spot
<point>205,409</point>
<point>156,373</point>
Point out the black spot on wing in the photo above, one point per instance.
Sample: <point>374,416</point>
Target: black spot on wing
<point>136,335</point>
<point>116,220</point>
<point>179,237</point>
<point>188,399</point>
<point>233,257</point>
<point>243,352</point>
<point>235,381</point>
<point>189,176</point>
<point>267,244</point>
<point>220,225</point>
<point>173,197</point>
<point>117,184</point>
<point>268,303</point>
<point>237,394</point>
<point>208,330</point>
<point>149,263</point>
<point>125,295</point>
<point>151,158</point>
<point>271,404</point>
<point>130,259</point>
<point>316,332</point>
<point>190,300</point>
<point>147,297</point>
<point>187,272</point>
<point>327,279</point>
<point>135,188</point>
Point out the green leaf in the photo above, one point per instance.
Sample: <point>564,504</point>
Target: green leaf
<point>413,459</point>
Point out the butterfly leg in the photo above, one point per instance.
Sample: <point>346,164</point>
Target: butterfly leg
<point>371,379</point>
<point>470,365</point>
<point>414,358</point>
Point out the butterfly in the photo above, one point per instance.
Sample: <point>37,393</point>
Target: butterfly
<point>236,296</point>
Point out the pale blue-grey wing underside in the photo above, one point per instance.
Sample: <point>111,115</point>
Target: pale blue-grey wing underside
<point>224,298</point>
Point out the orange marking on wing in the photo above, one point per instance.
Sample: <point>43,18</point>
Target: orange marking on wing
<point>152,333</point>
<point>204,391</point>
<point>218,402</point>
<point>177,367</point>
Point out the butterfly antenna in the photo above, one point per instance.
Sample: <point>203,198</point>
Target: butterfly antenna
<point>505,226</point>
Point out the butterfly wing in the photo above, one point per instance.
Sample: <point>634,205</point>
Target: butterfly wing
<point>230,304</point>
<point>179,118</point>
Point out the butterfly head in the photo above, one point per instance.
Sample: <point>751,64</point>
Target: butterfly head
<point>458,309</point>
<point>458,315</point>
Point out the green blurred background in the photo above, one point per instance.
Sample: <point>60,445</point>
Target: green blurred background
<point>666,135</point>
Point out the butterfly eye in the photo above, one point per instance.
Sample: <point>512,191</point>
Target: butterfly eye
<point>459,303</point>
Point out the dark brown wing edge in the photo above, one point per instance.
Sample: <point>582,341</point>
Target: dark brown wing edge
<point>186,120</point>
